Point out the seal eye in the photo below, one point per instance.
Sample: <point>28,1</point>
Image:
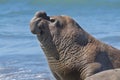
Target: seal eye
<point>52,20</point>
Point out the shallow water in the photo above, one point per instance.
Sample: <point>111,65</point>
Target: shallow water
<point>21,57</point>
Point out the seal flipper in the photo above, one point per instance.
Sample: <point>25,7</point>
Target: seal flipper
<point>89,70</point>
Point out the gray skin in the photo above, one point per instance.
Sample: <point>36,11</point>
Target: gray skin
<point>113,74</point>
<point>71,52</point>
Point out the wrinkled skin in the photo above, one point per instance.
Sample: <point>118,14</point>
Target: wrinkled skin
<point>113,74</point>
<point>72,53</point>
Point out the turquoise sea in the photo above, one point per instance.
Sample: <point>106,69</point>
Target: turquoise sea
<point>21,57</point>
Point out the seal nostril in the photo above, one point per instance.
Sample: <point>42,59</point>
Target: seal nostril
<point>41,32</point>
<point>39,28</point>
<point>52,20</point>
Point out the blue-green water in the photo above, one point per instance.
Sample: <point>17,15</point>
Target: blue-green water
<point>21,57</point>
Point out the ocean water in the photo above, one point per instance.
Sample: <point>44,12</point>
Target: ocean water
<point>21,57</point>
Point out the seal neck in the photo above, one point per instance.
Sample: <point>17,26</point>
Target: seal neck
<point>49,48</point>
<point>50,52</point>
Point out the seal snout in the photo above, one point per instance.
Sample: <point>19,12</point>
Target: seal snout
<point>39,22</point>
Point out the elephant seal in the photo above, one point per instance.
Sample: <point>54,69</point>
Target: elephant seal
<point>72,53</point>
<point>113,74</point>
